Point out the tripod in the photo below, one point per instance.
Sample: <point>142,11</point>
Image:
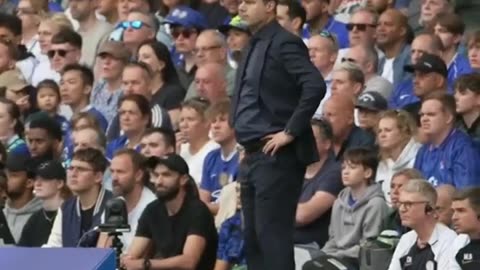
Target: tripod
<point>118,246</point>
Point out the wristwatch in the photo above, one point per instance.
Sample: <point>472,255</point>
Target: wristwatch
<point>147,264</point>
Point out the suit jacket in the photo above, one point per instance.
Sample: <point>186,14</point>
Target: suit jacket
<point>289,87</point>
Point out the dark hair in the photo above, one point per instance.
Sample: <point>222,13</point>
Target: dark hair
<point>12,23</point>
<point>219,108</point>
<point>141,66</point>
<point>295,10</point>
<point>3,155</point>
<point>168,135</point>
<point>142,104</point>
<point>93,121</point>
<point>136,158</point>
<point>452,22</point>
<point>325,128</point>
<point>470,82</point>
<point>68,36</point>
<point>364,157</point>
<point>447,101</point>
<point>92,156</point>
<point>473,197</point>
<point>169,73</point>
<point>14,112</point>
<point>50,84</point>
<point>85,72</point>
<point>48,124</point>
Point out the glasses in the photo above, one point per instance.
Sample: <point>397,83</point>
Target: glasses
<point>409,205</point>
<point>359,26</point>
<point>25,11</point>
<point>79,169</point>
<point>185,32</point>
<point>206,49</point>
<point>346,59</point>
<point>134,24</point>
<point>61,53</point>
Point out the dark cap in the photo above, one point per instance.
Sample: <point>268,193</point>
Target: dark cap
<point>428,63</point>
<point>173,162</point>
<point>116,49</point>
<point>51,170</point>
<point>371,101</point>
<point>17,162</point>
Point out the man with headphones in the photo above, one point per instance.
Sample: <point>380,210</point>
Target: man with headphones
<point>427,245</point>
<point>465,253</point>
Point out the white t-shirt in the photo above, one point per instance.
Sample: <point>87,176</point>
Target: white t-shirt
<point>387,72</point>
<point>195,162</point>
<point>133,216</point>
<point>44,71</point>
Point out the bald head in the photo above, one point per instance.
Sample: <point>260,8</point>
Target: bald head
<point>445,195</point>
<point>210,46</point>
<point>397,16</point>
<point>392,28</point>
<point>211,82</point>
<point>425,43</point>
<point>338,111</point>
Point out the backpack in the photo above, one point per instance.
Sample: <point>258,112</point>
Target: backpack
<point>376,254</point>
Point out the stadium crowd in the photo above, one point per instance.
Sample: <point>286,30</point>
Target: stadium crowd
<point>131,98</point>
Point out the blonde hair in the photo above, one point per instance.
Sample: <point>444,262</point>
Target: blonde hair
<point>424,188</point>
<point>59,20</point>
<point>405,123</point>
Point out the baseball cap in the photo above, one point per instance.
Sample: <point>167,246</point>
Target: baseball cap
<point>371,101</point>
<point>235,23</point>
<point>115,49</point>
<point>17,162</point>
<point>13,80</point>
<point>51,170</point>
<point>186,17</point>
<point>429,63</point>
<point>173,162</point>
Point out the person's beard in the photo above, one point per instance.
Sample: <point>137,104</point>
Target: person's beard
<point>119,190</point>
<point>169,193</point>
<point>14,194</point>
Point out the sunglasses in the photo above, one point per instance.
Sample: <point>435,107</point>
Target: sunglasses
<point>359,26</point>
<point>61,53</point>
<point>185,32</point>
<point>133,24</point>
<point>346,59</point>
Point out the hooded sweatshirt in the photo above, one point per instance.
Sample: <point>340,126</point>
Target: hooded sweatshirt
<point>388,167</point>
<point>17,218</point>
<point>351,225</point>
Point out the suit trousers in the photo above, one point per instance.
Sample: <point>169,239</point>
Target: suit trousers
<point>270,188</point>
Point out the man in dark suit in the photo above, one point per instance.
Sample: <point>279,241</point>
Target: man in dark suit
<point>276,93</point>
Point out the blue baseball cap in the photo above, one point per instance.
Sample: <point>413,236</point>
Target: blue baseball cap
<point>186,17</point>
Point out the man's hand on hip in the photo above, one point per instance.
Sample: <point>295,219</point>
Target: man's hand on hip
<point>276,141</point>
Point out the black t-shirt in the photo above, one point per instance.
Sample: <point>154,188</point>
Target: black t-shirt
<point>87,219</point>
<point>468,257</point>
<point>419,259</point>
<point>170,96</point>
<point>37,229</point>
<point>169,233</point>
<point>328,179</point>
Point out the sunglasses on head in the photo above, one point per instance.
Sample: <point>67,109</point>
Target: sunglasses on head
<point>327,34</point>
<point>359,26</point>
<point>61,53</point>
<point>346,59</point>
<point>185,32</point>
<point>134,24</point>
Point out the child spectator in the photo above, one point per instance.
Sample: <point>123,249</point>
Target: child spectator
<point>358,212</point>
<point>48,101</point>
<point>370,104</point>
<point>220,165</point>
